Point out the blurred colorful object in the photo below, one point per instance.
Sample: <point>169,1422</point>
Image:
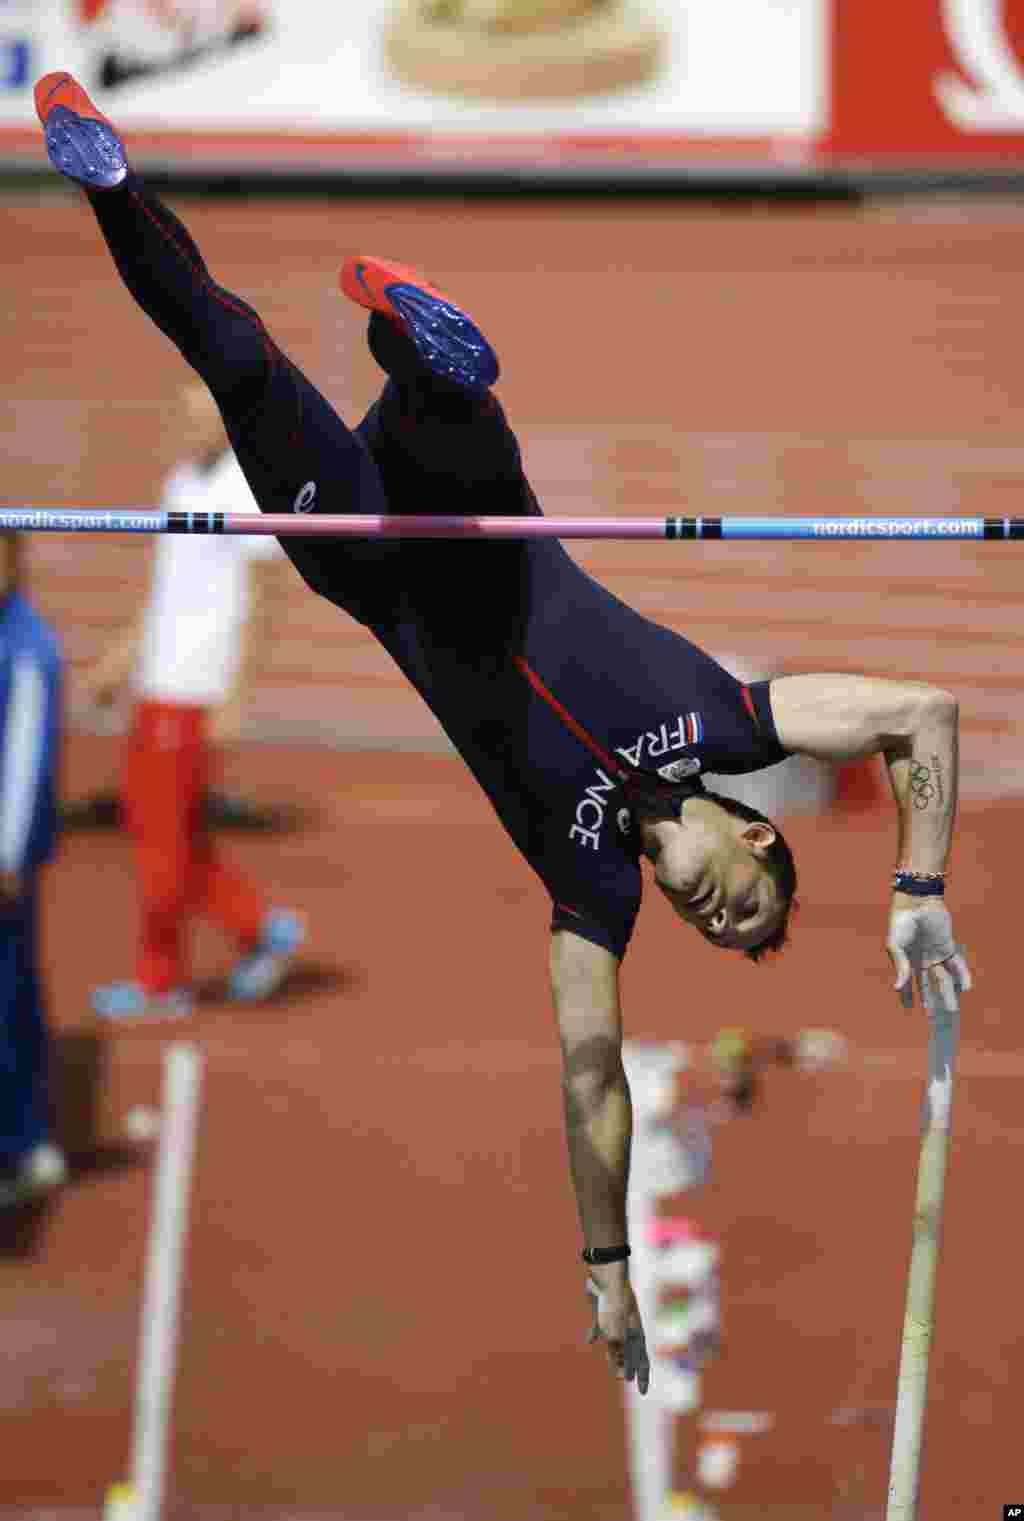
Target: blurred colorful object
<point>524,49</point>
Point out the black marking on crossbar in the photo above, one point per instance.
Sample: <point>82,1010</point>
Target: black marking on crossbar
<point>1004,528</point>
<point>693,528</point>
<point>195,522</point>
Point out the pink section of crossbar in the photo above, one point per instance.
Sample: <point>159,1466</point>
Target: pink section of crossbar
<point>406,526</point>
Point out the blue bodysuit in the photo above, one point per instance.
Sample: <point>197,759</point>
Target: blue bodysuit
<point>512,645</point>
<point>511,640</point>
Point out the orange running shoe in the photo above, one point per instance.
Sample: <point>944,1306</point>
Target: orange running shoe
<point>448,342</point>
<point>81,143</point>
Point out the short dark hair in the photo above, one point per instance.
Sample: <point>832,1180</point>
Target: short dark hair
<point>779,859</point>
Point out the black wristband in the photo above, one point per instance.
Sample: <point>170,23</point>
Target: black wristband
<point>917,885</point>
<point>597,1256</point>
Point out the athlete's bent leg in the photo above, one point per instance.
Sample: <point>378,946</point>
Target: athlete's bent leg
<point>443,447</point>
<point>437,423</point>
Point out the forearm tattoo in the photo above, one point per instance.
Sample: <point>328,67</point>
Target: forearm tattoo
<point>926,783</point>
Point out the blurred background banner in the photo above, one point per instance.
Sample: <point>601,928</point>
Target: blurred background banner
<point>928,81</point>
<point>545,87</point>
<point>809,90</point>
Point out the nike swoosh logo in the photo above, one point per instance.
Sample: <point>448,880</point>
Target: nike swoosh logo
<point>63,80</point>
<point>361,277</point>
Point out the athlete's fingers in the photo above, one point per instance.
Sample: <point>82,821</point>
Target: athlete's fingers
<point>637,1364</point>
<point>906,991</point>
<point>594,1333</point>
<point>940,989</point>
<point>614,1346</point>
<point>616,1358</point>
<point>960,972</point>
<point>619,1328</point>
<point>904,983</point>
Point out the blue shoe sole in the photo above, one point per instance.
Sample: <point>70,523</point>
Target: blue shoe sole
<point>89,152</point>
<point>449,344</point>
<point>261,972</point>
<point>125,1001</point>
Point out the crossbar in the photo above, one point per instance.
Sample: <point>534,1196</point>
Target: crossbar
<point>404,526</point>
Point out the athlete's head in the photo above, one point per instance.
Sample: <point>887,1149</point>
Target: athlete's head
<point>725,869</point>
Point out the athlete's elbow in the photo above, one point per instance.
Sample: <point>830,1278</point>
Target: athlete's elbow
<point>590,1073</point>
<point>938,708</point>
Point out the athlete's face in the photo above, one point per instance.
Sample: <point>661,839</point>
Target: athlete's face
<point>711,867</point>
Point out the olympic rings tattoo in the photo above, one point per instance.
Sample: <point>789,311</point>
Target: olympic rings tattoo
<point>921,785</point>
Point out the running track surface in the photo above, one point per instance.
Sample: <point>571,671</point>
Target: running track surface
<point>383,1314</point>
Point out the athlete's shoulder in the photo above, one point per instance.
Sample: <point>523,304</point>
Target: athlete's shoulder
<point>739,732</point>
<point>757,696</point>
<point>607,926</point>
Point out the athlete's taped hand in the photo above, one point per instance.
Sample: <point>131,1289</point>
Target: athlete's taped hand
<point>921,938</point>
<point>616,1322</point>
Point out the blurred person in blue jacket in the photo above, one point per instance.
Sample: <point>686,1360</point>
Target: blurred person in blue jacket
<point>30,732</point>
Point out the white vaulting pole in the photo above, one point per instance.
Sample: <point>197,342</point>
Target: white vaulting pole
<point>919,1318</point>
<point>162,1288</point>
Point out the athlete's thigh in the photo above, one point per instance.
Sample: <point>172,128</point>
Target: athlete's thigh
<point>299,457</point>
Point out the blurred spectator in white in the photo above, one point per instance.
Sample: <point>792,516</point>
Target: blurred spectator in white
<point>31,667</point>
<point>204,628</point>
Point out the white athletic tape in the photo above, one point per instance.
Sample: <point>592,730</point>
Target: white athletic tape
<point>161,1292</point>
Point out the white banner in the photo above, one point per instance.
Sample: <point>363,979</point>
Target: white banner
<point>467,85</point>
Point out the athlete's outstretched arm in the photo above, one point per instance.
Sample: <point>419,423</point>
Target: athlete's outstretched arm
<point>916,728</point>
<point>599,1128</point>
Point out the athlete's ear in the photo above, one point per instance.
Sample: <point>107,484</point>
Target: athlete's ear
<point>758,837</point>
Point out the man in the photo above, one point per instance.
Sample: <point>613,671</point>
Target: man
<point>534,670</point>
<point>201,630</point>
<point>30,720</point>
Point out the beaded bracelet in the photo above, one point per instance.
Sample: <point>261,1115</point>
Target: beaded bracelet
<point>918,885</point>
